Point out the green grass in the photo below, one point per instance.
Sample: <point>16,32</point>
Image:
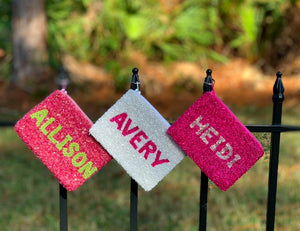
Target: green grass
<point>29,192</point>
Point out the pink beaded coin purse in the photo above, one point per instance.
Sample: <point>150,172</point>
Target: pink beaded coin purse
<point>57,131</point>
<point>216,140</point>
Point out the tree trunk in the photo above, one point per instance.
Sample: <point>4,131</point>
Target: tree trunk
<point>30,57</point>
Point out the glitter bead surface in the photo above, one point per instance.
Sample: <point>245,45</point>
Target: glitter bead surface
<point>57,131</point>
<point>216,140</point>
<point>134,133</point>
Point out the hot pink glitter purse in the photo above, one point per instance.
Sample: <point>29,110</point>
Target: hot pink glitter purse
<point>57,131</point>
<point>216,140</point>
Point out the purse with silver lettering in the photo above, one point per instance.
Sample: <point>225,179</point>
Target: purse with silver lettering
<point>216,140</point>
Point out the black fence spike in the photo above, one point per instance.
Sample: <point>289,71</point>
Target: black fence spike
<point>135,82</point>
<point>208,81</point>
<point>209,72</point>
<point>278,88</point>
<point>135,70</point>
<point>63,79</point>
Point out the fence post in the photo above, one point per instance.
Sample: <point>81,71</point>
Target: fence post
<point>63,208</point>
<point>62,81</point>
<point>207,87</point>
<point>135,85</point>
<point>278,98</point>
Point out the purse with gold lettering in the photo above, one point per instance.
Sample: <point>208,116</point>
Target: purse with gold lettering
<point>57,131</point>
<point>216,140</point>
<point>135,134</point>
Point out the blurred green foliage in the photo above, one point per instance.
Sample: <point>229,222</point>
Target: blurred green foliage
<point>192,30</point>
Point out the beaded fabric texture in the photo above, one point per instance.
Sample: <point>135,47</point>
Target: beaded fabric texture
<point>216,140</point>
<point>135,134</point>
<point>57,131</point>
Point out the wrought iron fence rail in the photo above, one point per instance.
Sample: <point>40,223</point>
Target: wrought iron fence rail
<point>272,128</point>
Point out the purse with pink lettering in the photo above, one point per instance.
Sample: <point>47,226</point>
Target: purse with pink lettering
<point>216,140</point>
<point>135,134</point>
<point>57,131</point>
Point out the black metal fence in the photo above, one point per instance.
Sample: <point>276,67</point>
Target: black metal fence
<point>276,128</point>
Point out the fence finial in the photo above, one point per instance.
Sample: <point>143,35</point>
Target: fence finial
<point>135,82</point>
<point>278,88</point>
<point>62,79</point>
<point>208,81</point>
